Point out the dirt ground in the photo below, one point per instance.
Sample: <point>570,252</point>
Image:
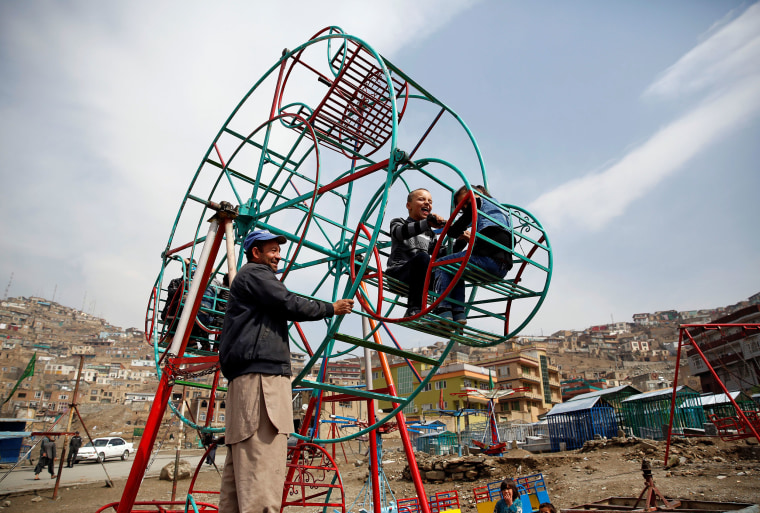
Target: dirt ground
<point>703,469</point>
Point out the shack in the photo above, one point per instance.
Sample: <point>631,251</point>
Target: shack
<point>572,423</point>
<point>614,397</point>
<point>648,414</point>
<point>721,406</point>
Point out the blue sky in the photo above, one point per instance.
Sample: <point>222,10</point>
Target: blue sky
<point>630,129</point>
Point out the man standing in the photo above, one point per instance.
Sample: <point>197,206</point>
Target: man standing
<point>47,458</point>
<point>74,445</point>
<point>255,357</point>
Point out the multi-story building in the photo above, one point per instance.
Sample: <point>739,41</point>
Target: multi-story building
<point>734,353</point>
<point>527,369</point>
<point>441,392</point>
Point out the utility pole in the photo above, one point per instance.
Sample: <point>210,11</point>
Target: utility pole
<point>7,288</point>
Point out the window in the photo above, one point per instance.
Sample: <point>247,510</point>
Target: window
<point>63,397</point>
<point>467,383</point>
<point>344,404</point>
<point>22,395</point>
<point>526,370</point>
<point>221,417</point>
<point>37,395</point>
<point>440,385</point>
<point>504,370</point>
<point>202,416</point>
<point>428,387</point>
<point>427,406</point>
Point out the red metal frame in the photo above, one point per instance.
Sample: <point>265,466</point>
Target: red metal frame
<point>684,329</point>
<point>308,480</point>
<point>163,392</point>
<point>351,105</point>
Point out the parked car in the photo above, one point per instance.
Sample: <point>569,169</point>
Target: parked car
<point>103,448</point>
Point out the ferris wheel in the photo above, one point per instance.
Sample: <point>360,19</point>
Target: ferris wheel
<point>323,150</point>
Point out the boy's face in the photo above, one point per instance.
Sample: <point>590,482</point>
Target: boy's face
<point>545,510</point>
<point>420,206</point>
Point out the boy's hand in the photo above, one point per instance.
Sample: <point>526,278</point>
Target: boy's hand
<point>435,221</point>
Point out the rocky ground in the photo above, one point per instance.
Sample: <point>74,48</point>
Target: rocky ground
<point>704,469</point>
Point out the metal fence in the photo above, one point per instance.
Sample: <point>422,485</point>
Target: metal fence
<point>508,431</point>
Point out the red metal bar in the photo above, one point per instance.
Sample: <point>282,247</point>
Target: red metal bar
<point>516,281</point>
<point>401,420</point>
<point>739,411</point>
<point>163,393</point>
<point>374,471</point>
<point>353,176</point>
<point>673,399</point>
<point>142,455</point>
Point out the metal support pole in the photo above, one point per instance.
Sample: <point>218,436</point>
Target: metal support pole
<point>374,470</point>
<point>374,463</point>
<point>401,421</point>
<point>165,385</point>
<point>673,399</point>
<point>180,439</point>
<point>229,237</point>
<point>142,455</point>
<point>68,427</point>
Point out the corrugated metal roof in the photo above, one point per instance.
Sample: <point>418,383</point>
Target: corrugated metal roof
<point>709,399</point>
<point>656,393</point>
<point>603,392</point>
<point>570,406</point>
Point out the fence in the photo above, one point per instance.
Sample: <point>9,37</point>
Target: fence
<point>508,431</point>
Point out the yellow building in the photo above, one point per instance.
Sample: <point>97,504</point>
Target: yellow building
<point>526,368</point>
<point>440,391</point>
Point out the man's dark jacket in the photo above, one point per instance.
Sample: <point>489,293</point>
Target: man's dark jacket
<point>255,334</point>
<point>75,443</point>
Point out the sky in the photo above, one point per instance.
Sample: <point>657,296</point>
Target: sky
<point>630,129</point>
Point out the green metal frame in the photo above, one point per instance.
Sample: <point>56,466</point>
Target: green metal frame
<point>282,179</point>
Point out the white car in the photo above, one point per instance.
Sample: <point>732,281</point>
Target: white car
<point>104,448</point>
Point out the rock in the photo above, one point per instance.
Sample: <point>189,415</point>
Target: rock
<point>358,463</point>
<point>471,475</point>
<point>6,504</point>
<point>183,472</point>
<point>457,476</point>
<point>435,475</point>
<point>36,498</point>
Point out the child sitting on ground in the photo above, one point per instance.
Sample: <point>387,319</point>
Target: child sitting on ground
<point>510,498</point>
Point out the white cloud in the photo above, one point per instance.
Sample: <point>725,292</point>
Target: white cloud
<point>730,62</point>
<point>731,53</point>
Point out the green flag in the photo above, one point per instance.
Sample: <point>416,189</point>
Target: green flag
<point>29,371</point>
<point>490,379</point>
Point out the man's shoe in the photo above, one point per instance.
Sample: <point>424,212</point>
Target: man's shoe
<point>36,477</point>
<point>52,477</point>
<point>446,315</point>
<point>460,317</point>
<point>412,310</point>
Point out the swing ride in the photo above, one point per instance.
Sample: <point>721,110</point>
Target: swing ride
<point>323,150</point>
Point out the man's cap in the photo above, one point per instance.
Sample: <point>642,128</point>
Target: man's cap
<point>261,235</point>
